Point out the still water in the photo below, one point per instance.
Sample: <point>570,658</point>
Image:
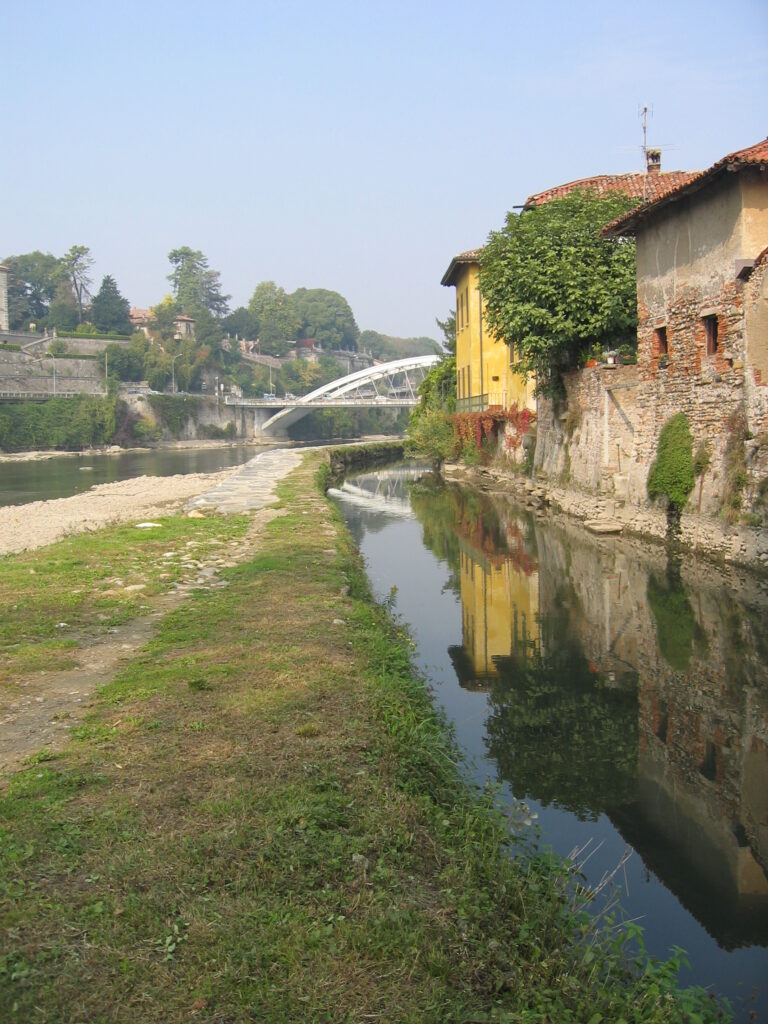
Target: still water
<point>623,699</point>
<point>63,476</point>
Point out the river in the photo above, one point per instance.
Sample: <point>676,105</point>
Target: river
<point>622,699</point>
<point>62,476</point>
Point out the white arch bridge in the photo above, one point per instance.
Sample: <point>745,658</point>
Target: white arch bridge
<point>393,385</point>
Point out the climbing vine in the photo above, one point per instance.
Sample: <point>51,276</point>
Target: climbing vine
<point>475,431</point>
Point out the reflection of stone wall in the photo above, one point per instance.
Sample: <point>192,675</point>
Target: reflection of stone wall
<point>703,701</point>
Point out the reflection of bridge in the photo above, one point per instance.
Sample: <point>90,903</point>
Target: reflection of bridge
<point>392,385</point>
<point>382,491</point>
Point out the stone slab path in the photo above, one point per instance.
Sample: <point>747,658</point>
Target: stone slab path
<point>252,487</point>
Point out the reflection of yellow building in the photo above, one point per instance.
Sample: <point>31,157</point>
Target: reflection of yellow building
<point>484,375</point>
<point>499,614</point>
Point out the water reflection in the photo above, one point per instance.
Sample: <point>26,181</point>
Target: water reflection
<point>612,688</point>
<point>616,690</point>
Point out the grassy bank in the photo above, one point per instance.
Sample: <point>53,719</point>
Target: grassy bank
<point>262,820</point>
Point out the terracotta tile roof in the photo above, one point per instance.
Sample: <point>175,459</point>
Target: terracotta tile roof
<point>752,156</point>
<point>470,256</point>
<point>140,314</point>
<point>647,187</point>
<point>635,185</point>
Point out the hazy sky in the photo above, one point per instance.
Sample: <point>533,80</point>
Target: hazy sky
<point>351,146</point>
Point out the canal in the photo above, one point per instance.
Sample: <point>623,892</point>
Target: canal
<point>620,703</point>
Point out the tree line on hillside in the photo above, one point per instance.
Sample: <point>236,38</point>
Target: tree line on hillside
<point>46,292</point>
<point>49,292</point>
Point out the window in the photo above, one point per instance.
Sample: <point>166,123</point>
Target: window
<point>660,341</point>
<point>710,333</point>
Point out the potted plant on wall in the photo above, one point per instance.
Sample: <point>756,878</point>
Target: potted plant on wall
<point>663,362</point>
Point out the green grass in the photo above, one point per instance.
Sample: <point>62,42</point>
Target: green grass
<point>54,599</point>
<point>262,820</point>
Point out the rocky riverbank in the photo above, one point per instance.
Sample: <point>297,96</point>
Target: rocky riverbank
<point>25,527</point>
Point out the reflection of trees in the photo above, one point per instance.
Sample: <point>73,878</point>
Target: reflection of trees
<point>557,731</point>
<point>676,627</point>
<point>448,513</point>
<point>435,508</point>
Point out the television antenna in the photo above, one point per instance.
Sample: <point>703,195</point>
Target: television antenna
<point>643,113</point>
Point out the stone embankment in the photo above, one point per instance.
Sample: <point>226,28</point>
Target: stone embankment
<point>738,545</point>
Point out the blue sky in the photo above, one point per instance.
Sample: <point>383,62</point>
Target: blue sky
<point>352,146</point>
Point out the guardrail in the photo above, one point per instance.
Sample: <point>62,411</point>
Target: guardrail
<point>477,403</point>
<point>41,396</point>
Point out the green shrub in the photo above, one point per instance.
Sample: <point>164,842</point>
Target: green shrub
<point>68,423</point>
<point>146,430</point>
<point>672,472</point>
<point>212,432</point>
<point>173,411</point>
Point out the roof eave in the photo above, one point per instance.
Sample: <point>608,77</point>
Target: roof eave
<point>627,224</point>
<point>447,279</point>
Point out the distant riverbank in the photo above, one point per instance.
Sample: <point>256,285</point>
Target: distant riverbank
<point>114,449</point>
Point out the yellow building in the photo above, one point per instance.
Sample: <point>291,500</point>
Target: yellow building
<point>484,375</point>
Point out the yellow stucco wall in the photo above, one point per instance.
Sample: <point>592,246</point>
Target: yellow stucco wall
<point>482,361</point>
<point>499,608</point>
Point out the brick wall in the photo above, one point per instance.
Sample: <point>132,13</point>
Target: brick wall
<point>604,437</point>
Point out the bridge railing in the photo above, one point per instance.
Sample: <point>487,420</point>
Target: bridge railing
<point>321,403</point>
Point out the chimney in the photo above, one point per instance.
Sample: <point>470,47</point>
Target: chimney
<point>653,161</point>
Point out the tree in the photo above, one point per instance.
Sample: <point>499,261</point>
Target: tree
<point>241,322</point>
<point>164,314</point>
<point>448,328</point>
<point>63,314</point>
<point>109,309</point>
<point>554,288</point>
<point>195,286</point>
<point>384,346</point>
<point>76,263</point>
<point>430,428</point>
<point>32,284</point>
<point>126,362</point>
<point>325,316</point>
<point>208,330</point>
<point>275,316</point>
